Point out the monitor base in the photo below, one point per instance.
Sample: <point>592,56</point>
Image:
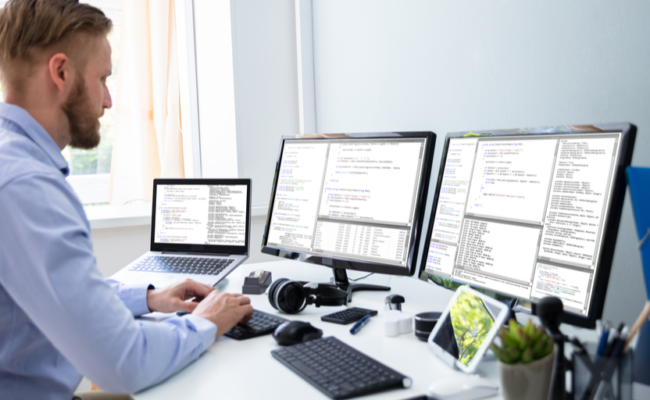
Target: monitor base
<point>342,282</point>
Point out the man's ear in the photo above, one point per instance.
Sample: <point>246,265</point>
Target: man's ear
<point>60,69</point>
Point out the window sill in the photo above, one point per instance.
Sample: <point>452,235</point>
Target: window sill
<point>107,217</point>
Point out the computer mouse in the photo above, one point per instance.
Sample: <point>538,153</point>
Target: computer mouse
<point>462,387</point>
<point>294,332</point>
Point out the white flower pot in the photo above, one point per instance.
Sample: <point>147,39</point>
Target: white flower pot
<point>528,381</point>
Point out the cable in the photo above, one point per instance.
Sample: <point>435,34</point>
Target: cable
<point>363,277</point>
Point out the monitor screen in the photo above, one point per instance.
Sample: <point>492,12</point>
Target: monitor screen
<point>526,215</point>
<point>351,197</point>
<point>200,214</point>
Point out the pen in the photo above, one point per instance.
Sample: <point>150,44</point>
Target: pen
<point>360,324</point>
<point>603,339</point>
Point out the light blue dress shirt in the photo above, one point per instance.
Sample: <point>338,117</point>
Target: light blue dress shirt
<point>59,318</point>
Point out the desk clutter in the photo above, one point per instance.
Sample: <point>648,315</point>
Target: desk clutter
<point>330,207</point>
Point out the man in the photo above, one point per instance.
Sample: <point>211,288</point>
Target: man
<point>59,318</point>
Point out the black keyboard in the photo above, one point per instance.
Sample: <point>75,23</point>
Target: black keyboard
<point>352,314</point>
<point>338,370</point>
<point>260,324</point>
<point>183,265</point>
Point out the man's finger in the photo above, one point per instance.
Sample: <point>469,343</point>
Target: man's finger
<point>197,289</point>
<point>248,313</point>
<point>188,306</point>
<point>243,300</point>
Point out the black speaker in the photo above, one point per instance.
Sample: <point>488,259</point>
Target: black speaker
<point>291,297</point>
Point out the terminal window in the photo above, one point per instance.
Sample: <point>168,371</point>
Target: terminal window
<point>353,198</point>
<point>524,215</point>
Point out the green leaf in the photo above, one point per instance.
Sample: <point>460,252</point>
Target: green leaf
<point>527,356</point>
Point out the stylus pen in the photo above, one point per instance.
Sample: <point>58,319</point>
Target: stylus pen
<point>360,324</point>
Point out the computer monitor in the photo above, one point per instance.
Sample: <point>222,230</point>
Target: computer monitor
<point>350,201</point>
<point>530,213</point>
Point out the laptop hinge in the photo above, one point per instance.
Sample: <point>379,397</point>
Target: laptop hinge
<point>198,254</point>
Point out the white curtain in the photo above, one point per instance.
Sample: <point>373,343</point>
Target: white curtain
<point>147,143</point>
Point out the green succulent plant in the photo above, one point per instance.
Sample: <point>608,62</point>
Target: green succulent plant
<point>522,343</point>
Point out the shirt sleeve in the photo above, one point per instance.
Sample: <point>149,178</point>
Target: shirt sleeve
<point>48,267</point>
<point>134,296</point>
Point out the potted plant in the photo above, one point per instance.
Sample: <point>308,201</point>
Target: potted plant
<point>526,358</point>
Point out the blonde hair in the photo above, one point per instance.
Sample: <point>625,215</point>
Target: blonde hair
<point>30,29</point>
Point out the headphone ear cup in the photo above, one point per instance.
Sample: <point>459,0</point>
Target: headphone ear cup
<point>290,297</point>
<point>272,290</point>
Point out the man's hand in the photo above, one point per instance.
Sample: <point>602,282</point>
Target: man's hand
<point>225,310</point>
<point>172,298</point>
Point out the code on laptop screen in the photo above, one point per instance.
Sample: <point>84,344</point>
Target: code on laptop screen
<point>201,214</point>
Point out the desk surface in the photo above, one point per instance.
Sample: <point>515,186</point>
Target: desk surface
<point>232,369</point>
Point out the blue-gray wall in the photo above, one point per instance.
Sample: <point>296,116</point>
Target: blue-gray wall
<point>457,65</point>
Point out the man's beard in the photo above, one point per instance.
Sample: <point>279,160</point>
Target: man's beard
<point>83,121</point>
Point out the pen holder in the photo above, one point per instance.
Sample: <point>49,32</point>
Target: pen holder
<point>602,379</point>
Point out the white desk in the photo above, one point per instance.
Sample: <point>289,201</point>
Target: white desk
<point>245,369</point>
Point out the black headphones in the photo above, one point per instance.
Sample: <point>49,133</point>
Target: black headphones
<point>291,297</point>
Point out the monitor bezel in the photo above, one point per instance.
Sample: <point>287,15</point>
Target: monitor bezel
<point>346,263</point>
<point>200,248</point>
<point>612,221</point>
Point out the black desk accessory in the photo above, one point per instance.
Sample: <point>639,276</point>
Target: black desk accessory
<point>424,324</point>
<point>394,302</point>
<point>549,310</point>
<point>294,332</point>
<point>338,370</point>
<point>260,324</point>
<point>291,297</point>
<point>256,282</point>
<point>607,376</point>
<point>614,382</point>
<point>347,316</point>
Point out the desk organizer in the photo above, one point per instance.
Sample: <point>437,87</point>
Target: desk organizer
<point>253,285</point>
<point>603,378</point>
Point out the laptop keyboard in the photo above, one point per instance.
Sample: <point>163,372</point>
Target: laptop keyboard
<point>183,265</point>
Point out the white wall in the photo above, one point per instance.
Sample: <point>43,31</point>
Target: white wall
<point>248,88</point>
<point>447,66</point>
<point>266,88</point>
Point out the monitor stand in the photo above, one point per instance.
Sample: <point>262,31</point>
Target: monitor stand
<point>342,282</point>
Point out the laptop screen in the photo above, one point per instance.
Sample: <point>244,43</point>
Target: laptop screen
<point>200,214</point>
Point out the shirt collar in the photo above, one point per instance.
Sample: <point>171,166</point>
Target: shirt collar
<point>19,120</point>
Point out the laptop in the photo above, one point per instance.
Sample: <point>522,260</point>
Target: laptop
<point>200,229</point>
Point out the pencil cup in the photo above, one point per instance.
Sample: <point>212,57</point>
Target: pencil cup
<point>603,378</point>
